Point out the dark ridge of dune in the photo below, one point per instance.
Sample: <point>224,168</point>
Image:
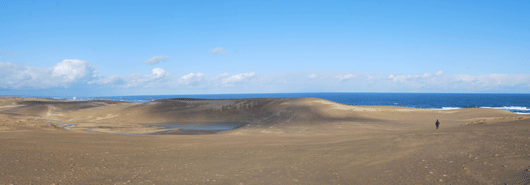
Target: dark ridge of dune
<point>257,113</point>
<point>39,110</point>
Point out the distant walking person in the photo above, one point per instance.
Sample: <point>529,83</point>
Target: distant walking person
<point>437,123</point>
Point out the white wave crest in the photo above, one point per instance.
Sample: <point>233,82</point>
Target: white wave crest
<point>509,108</point>
<point>450,108</point>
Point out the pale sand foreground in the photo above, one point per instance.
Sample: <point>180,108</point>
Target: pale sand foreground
<point>284,141</point>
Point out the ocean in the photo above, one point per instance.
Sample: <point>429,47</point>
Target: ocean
<point>517,103</point>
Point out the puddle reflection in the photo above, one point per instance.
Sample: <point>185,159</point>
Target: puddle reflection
<point>200,128</point>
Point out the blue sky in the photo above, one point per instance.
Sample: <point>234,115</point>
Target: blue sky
<point>97,48</point>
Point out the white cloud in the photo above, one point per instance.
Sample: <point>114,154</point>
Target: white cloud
<point>156,59</point>
<point>402,78</point>
<point>462,82</point>
<point>357,82</point>
<point>425,75</point>
<point>218,50</point>
<point>232,80</point>
<point>464,78</point>
<point>345,77</point>
<point>161,78</point>
<point>158,77</point>
<point>71,70</point>
<point>225,79</point>
<point>191,79</point>
<point>218,77</point>
<point>490,81</point>
<point>63,74</point>
<point>158,72</point>
<point>104,81</point>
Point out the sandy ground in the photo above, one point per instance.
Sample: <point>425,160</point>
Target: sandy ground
<point>284,141</point>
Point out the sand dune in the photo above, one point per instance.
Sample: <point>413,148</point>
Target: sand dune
<point>287,141</point>
<point>303,116</point>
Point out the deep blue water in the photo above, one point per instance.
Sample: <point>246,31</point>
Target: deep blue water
<point>517,103</point>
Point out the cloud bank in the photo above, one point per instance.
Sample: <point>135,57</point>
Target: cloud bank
<point>74,71</point>
<point>104,81</point>
<point>234,79</point>
<point>163,79</point>
<point>345,77</point>
<point>158,77</point>
<point>63,74</point>
<point>156,59</point>
<point>191,79</point>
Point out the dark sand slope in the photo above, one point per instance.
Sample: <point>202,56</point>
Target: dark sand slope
<point>284,141</point>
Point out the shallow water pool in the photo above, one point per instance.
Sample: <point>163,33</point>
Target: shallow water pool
<point>200,126</point>
<point>68,126</point>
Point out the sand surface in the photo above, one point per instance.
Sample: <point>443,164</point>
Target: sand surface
<point>282,141</point>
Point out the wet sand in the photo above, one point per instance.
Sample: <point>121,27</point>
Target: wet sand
<point>284,141</point>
